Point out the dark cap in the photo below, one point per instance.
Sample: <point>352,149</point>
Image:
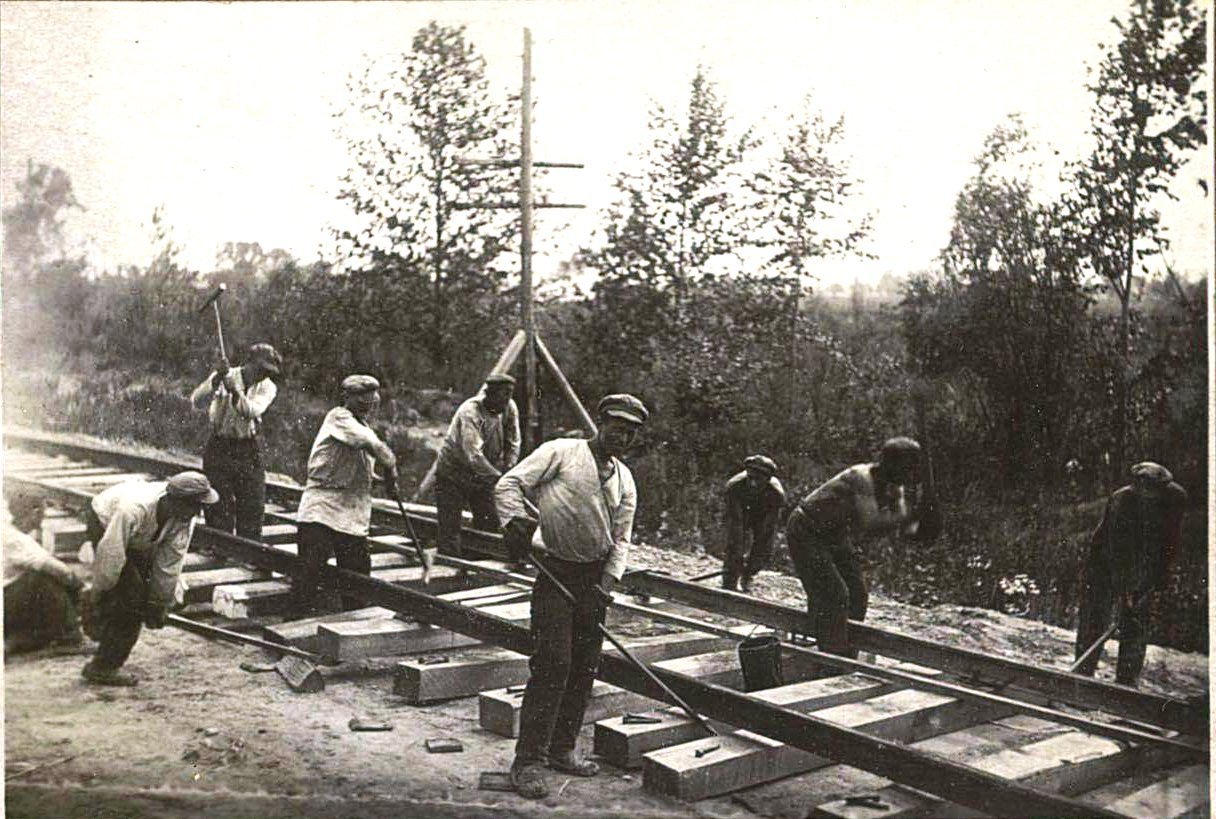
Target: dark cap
<point>625,406</point>
<point>359,384</point>
<point>267,356</point>
<point>760,463</point>
<point>499,378</point>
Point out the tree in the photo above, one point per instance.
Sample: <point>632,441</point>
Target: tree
<point>805,193</point>
<point>409,129</point>
<point>1149,111</point>
<point>33,225</point>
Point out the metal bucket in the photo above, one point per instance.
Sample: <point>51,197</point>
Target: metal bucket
<point>760,659</point>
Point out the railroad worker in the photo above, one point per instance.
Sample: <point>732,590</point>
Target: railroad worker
<point>754,499</point>
<point>336,506</point>
<point>235,400</point>
<point>40,591</point>
<point>586,498</point>
<point>481,444</point>
<point>140,532</point>
<point>1130,555</point>
<point>824,530</point>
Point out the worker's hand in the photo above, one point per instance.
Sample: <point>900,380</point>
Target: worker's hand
<point>221,370</point>
<point>428,563</point>
<point>517,537</point>
<point>390,481</point>
<point>155,613</point>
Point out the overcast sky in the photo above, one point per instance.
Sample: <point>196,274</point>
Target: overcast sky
<point>223,113</point>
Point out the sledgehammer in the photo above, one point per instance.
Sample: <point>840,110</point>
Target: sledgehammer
<point>214,301</point>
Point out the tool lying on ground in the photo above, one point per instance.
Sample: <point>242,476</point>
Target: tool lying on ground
<point>427,556</point>
<point>868,801</point>
<point>495,781</point>
<point>297,667</point>
<point>1097,646</point>
<point>641,666</point>
<point>705,576</point>
<point>444,745</point>
<point>214,301</point>
<point>357,724</point>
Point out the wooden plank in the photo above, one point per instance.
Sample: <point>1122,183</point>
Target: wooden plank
<point>744,758</point>
<point>424,680</point>
<point>105,479</point>
<point>198,561</point>
<point>275,533</point>
<point>303,633</point>
<point>624,744</point>
<point>1181,793</point>
<point>386,638</point>
<point>200,585</point>
<point>64,470</point>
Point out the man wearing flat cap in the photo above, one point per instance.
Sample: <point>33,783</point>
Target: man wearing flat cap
<point>235,400</point>
<point>481,444</point>
<point>140,532</point>
<point>335,510</point>
<point>754,499</point>
<point>586,499</point>
<point>825,531</point>
<point>1130,555</point>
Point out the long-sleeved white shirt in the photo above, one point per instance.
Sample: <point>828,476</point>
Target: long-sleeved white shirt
<point>233,414</point>
<point>480,443</point>
<point>338,492</point>
<point>582,518</point>
<point>24,554</point>
<point>128,514</point>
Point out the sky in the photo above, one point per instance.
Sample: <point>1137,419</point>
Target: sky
<point>223,114</point>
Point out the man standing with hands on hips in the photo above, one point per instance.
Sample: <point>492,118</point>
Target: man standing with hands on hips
<point>587,499</point>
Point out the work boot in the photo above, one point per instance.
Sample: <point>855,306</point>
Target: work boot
<point>745,584</point>
<point>728,583</point>
<point>569,763</point>
<point>529,780</point>
<point>107,676</point>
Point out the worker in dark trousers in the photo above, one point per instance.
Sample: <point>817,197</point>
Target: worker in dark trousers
<point>824,530</point>
<point>140,532</point>
<point>1130,555</point>
<point>754,499</point>
<point>235,400</point>
<point>587,498</point>
<point>335,512</point>
<point>40,591</point>
<point>482,443</point>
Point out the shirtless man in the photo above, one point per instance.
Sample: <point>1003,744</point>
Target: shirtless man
<point>866,499</point>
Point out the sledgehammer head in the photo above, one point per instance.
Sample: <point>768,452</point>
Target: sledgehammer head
<point>219,291</point>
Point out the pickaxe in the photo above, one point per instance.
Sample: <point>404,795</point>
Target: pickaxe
<point>214,301</point>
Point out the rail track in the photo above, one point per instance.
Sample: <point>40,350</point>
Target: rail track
<point>949,731</point>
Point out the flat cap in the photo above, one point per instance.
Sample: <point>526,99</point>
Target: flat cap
<point>500,378</point>
<point>760,463</point>
<point>268,356</point>
<point>359,384</point>
<point>625,406</point>
<point>1150,472</point>
<point>193,485</point>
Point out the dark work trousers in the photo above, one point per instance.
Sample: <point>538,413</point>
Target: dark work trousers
<point>835,588</point>
<point>567,643</point>
<point>234,467</point>
<point>317,544</point>
<point>741,561</point>
<point>1132,634</point>
<point>38,609</point>
<point>120,610</point>
<point>452,497</point>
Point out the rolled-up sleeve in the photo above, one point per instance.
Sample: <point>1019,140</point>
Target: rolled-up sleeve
<point>622,529</point>
<point>345,427</point>
<point>512,488</point>
<point>254,402</point>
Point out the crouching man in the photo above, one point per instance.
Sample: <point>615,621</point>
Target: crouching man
<point>587,499</point>
<point>40,591</point>
<point>141,531</point>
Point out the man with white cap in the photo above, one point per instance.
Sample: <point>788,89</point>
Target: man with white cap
<point>335,510</point>
<point>140,532</point>
<point>586,499</point>
<point>481,444</point>
<point>754,499</point>
<point>1130,556</point>
<point>235,400</point>
<point>824,531</point>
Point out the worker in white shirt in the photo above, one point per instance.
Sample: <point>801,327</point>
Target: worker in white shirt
<point>40,591</point>
<point>140,532</point>
<point>235,400</point>
<point>586,499</point>
<point>335,510</point>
